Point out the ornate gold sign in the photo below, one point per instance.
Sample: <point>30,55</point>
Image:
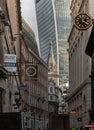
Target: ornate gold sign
<point>31,72</point>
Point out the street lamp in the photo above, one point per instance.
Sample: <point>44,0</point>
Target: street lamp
<point>17,98</point>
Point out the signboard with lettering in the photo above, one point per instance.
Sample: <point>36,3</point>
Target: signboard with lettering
<point>10,62</point>
<point>72,112</point>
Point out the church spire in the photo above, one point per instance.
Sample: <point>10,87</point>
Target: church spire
<point>51,60</point>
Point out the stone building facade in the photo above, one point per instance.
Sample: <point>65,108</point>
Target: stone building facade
<point>90,52</point>
<point>79,98</point>
<point>53,90</point>
<point>29,81</point>
<point>36,94</point>
<point>9,80</point>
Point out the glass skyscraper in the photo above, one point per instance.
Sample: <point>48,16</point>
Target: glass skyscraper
<point>53,20</point>
<point>62,12</point>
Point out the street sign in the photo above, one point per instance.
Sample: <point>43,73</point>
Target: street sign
<point>72,112</point>
<point>23,87</point>
<point>82,21</point>
<point>10,62</point>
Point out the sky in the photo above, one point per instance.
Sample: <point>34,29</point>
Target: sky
<point>28,13</point>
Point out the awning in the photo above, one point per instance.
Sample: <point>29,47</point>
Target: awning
<point>89,126</point>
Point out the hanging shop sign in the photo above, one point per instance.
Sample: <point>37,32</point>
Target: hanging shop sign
<point>82,21</point>
<point>31,72</point>
<point>10,62</point>
<point>23,87</point>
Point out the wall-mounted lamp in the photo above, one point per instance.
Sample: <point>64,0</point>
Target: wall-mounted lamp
<point>43,99</point>
<point>39,97</point>
<point>17,98</point>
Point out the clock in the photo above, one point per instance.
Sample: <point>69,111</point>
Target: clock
<point>82,21</point>
<point>31,71</point>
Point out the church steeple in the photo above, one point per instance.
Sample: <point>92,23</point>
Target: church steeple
<point>51,61</point>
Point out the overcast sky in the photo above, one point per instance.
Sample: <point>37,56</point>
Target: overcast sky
<point>28,13</point>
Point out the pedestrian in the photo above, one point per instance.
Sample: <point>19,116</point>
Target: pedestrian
<point>73,128</point>
<point>81,127</point>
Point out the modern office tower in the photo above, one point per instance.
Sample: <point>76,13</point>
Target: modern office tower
<point>63,27</point>
<point>53,20</point>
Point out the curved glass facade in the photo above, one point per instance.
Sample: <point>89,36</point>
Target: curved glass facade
<point>46,27</point>
<point>63,27</point>
<point>53,19</point>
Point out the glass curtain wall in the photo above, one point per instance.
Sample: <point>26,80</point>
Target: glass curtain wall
<point>62,9</point>
<point>46,28</point>
<point>53,19</point>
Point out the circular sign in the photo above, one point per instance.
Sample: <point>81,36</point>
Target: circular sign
<point>31,71</point>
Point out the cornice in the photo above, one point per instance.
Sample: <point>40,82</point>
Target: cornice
<point>80,87</point>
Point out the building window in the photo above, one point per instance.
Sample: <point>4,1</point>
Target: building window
<point>51,98</point>
<point>51,89</point>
